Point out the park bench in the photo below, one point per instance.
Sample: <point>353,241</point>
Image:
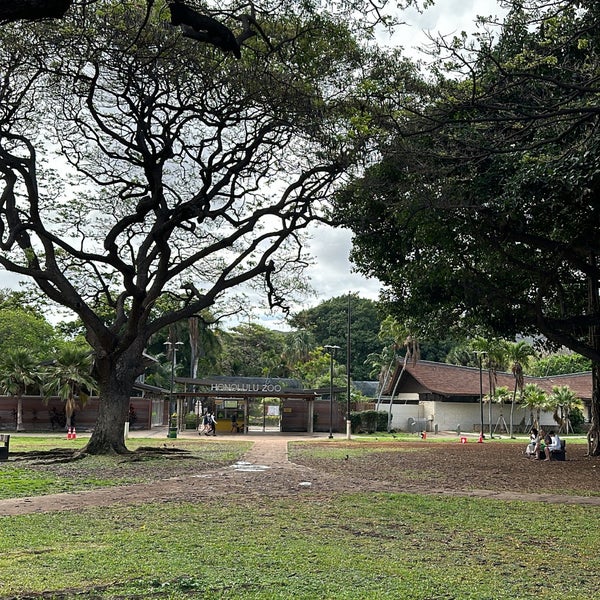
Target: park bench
<point>560,454</point>
<point>4,443</point>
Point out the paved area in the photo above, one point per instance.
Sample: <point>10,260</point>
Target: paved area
<point>269,448</point>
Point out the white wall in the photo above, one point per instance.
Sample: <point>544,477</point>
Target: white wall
<point>448,416</point>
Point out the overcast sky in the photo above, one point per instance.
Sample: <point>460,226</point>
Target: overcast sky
<point>333,274</point>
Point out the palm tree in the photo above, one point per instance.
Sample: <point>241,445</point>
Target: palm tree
<point>534,398</point>
<point>400,335</point>
<point>297,347</point>
<point>519,354</point>
<point>18,370</point>
<point>501,396</point>
<point>494,351</point>
<point>204,343</point>
<point>563,400</point>
<point>69,377</point>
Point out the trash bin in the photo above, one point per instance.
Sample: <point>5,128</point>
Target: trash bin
<point>4,444</point>
<point>172,427</point>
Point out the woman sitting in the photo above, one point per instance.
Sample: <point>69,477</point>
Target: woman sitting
<point>534,439</point>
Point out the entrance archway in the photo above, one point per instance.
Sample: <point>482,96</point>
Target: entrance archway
<point>231,397</point>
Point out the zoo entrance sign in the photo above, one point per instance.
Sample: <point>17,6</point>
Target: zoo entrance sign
<point>245,387</point>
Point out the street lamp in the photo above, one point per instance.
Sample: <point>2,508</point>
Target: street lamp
<point>479,354</point>
<point>173,347</point>
<point>348,357</point>
<point>331,350</point>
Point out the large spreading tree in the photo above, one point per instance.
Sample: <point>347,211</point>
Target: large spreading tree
<point>136,163</point>
<point>484,210</point>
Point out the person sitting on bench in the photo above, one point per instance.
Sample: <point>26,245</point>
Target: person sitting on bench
<point>554,446</point>
<point>534,439</point>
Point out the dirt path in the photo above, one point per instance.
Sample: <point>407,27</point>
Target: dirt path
<point>268,456</point>
<point>265,470</point>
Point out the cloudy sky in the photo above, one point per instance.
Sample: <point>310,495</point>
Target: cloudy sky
<point>333,275</point>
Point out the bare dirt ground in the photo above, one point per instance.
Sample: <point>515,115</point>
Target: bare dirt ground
<point>490,469</point>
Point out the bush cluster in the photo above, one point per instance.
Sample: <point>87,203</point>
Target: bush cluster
<point>368,421</point>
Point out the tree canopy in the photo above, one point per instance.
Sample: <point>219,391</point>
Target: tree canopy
<point>22,329</point>
<point>328,323</point>
<point>483,211</point>
<point>137,165</point>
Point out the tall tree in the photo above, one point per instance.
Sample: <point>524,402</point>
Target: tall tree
<point>519,355</point>
<point>185,173</point>
<point>493,351</point>
<point>252,350</point>
<point>297,346</point>
<point>562,401</point>
<point>535,399</point>
<point>22,328</point>
<point>489,185</point>
<point>328,323</point>
<point>559,364</point>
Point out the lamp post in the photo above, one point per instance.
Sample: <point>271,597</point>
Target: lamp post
<point>348,357</point>
<point>331,350</point>
<point>173,347</point>
<point>479,354</point>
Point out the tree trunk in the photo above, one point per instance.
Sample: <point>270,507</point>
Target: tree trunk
<point>389,423</point>
<point>115,383</point>
<point>512,411</point>
<point>492,391</point>
<point>594,342</point>
<point>19,413</point>
<point>594,432</point>
<point>194,337</point>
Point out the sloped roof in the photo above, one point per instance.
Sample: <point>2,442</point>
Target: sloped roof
<point>456,380</point>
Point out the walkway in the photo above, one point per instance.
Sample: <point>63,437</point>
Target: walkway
<point>268,449</point>
<point>268,454</point>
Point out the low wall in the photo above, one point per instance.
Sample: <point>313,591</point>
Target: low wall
<point>43,416</point>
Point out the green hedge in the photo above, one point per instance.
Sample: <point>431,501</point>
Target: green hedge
<point>368,421</point>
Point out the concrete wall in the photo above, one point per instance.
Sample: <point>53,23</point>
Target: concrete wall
<point>448,416</point>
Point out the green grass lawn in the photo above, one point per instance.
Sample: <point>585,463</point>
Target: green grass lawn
<point>23,476</point>
<point>307,546</point>
<point>349,546</point>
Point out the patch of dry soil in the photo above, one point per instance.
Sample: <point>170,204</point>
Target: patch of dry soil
<point>490,469</point>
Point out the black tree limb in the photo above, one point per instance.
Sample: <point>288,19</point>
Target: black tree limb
<point>203,28</point>
<point>33,10</point>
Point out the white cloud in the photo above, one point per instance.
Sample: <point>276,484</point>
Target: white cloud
<point>333,274</point>
<point>10,280</point>
<point>446,17</point>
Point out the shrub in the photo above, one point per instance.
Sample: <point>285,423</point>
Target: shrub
<point>577,419</point>
<point>191,421</point>
<point>368,421</point>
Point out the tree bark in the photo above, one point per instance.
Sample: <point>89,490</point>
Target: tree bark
<point>594,431</point>
<point>19,413</point>
<point>594,342</point>
<point>115,382</point>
